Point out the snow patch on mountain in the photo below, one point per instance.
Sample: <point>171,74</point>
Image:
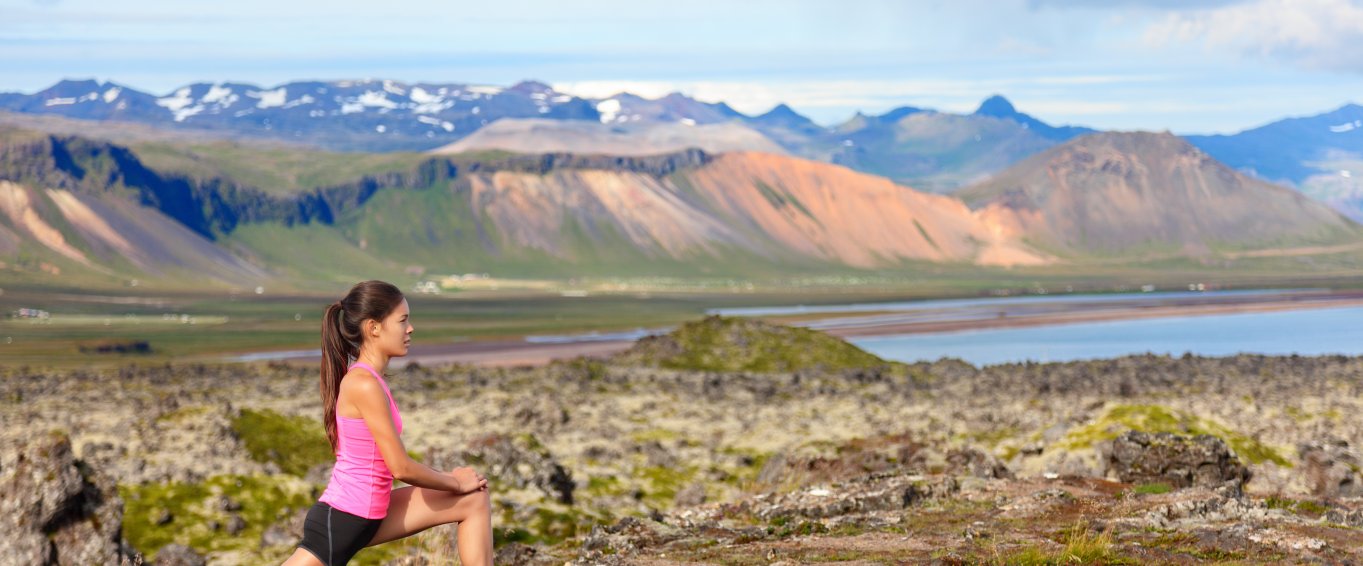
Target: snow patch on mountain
<point>182,113</point>
<point>176,101</point>
<point>608,109</point>
<point>488,90</point>
<point>111,94</point>
<point>305,99</point>
<point>420,96</point>
<point>270,98</point>
<point>376,99</point>
<point>219,94</point>
<point>1347,126</point>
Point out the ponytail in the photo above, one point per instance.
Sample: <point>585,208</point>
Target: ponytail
<point>341,338</point>
<point>336,354</point>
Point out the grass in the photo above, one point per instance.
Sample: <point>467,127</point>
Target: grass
<point>1152,488</point>
<point>1080,546</point>
<point>277,170</point>
<point>1300,507</point>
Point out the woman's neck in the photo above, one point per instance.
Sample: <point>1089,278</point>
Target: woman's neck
<point>376,360</point>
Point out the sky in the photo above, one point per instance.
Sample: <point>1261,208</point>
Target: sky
<point>1187,66</point>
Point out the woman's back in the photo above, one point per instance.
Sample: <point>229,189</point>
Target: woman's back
<point>361,482</point>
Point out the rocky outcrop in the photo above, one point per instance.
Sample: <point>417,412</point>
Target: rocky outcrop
<point>1203,460</point>
<point>1331,469</point>
<point>56,510</point>
<point>519,463</point>
<point>1179,461</point>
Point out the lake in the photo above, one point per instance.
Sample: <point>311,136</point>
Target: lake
<point>1305,332</point>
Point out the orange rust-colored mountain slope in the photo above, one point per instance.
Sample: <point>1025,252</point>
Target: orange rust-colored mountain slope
<point>836,214</point>
<point>773,206</point>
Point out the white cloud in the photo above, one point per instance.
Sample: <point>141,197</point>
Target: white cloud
<point>1322,34</point>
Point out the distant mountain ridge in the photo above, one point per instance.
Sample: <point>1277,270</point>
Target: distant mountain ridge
<point>374,115</point>
<point>385,115</point>
<point>1283,151</point>
<point>934,151</point>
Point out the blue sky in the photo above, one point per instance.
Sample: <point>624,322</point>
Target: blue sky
<point>1193,66</point>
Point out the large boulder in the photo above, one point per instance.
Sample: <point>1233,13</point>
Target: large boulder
<point>54,509</point>
<point>1180,461</point>
<point>1331,469</point>
<point>518,462</point>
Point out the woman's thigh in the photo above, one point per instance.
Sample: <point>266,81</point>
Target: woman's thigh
<point>414,509</point>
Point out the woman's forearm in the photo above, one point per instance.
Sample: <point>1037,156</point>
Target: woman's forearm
<point>421,475</point>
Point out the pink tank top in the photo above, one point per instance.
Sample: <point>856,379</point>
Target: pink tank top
<point>360,481</point>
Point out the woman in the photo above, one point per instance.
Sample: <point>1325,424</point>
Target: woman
<point>359,507</point>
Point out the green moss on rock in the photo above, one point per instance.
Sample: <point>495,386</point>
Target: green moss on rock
<point>1156,418</point>
<point>295,444</point>
<point>193,510</point>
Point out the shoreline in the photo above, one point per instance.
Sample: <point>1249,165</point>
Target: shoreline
<point>514,353</point>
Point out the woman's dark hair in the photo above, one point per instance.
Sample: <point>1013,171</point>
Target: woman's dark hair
<point>342,336</point>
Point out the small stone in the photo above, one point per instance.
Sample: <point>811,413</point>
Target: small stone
<point>976,531</point>
<point>235,524</point>
<point>178,555</point>
<point>227,504</point>
<point>276,535</point>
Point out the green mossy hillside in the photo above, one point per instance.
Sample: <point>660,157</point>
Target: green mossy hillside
<point>738,344</point>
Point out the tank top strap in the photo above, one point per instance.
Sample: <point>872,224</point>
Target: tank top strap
<point>377,376</point>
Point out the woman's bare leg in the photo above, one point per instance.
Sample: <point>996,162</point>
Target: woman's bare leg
<point>414,509</point>
<point>302,557</point>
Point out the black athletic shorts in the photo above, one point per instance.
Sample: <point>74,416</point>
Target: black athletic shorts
<point>334,536</point>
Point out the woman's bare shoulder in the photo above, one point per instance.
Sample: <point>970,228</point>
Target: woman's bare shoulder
<point>357,386</point>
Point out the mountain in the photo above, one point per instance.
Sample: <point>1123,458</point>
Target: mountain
<point>675,107</point>
<point>537,135</point>
<point>783,125</point>
<point>91,209</point>
<point>1290,150</point>
<point>922,148</point>
<point>999,107</point>
<point>366,115</point>
<point>1321,155</point>
<point>1144,193</point>
<point>97,209</point>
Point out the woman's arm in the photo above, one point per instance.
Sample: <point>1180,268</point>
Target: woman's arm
<point>372,403</point>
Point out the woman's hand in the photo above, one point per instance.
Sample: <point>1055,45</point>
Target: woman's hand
<point>468,480</point>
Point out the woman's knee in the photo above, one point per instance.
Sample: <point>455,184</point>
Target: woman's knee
<point>476,504</point>
<point>482,500</point>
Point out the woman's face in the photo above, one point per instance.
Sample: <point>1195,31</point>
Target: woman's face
<point>392,335</point>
